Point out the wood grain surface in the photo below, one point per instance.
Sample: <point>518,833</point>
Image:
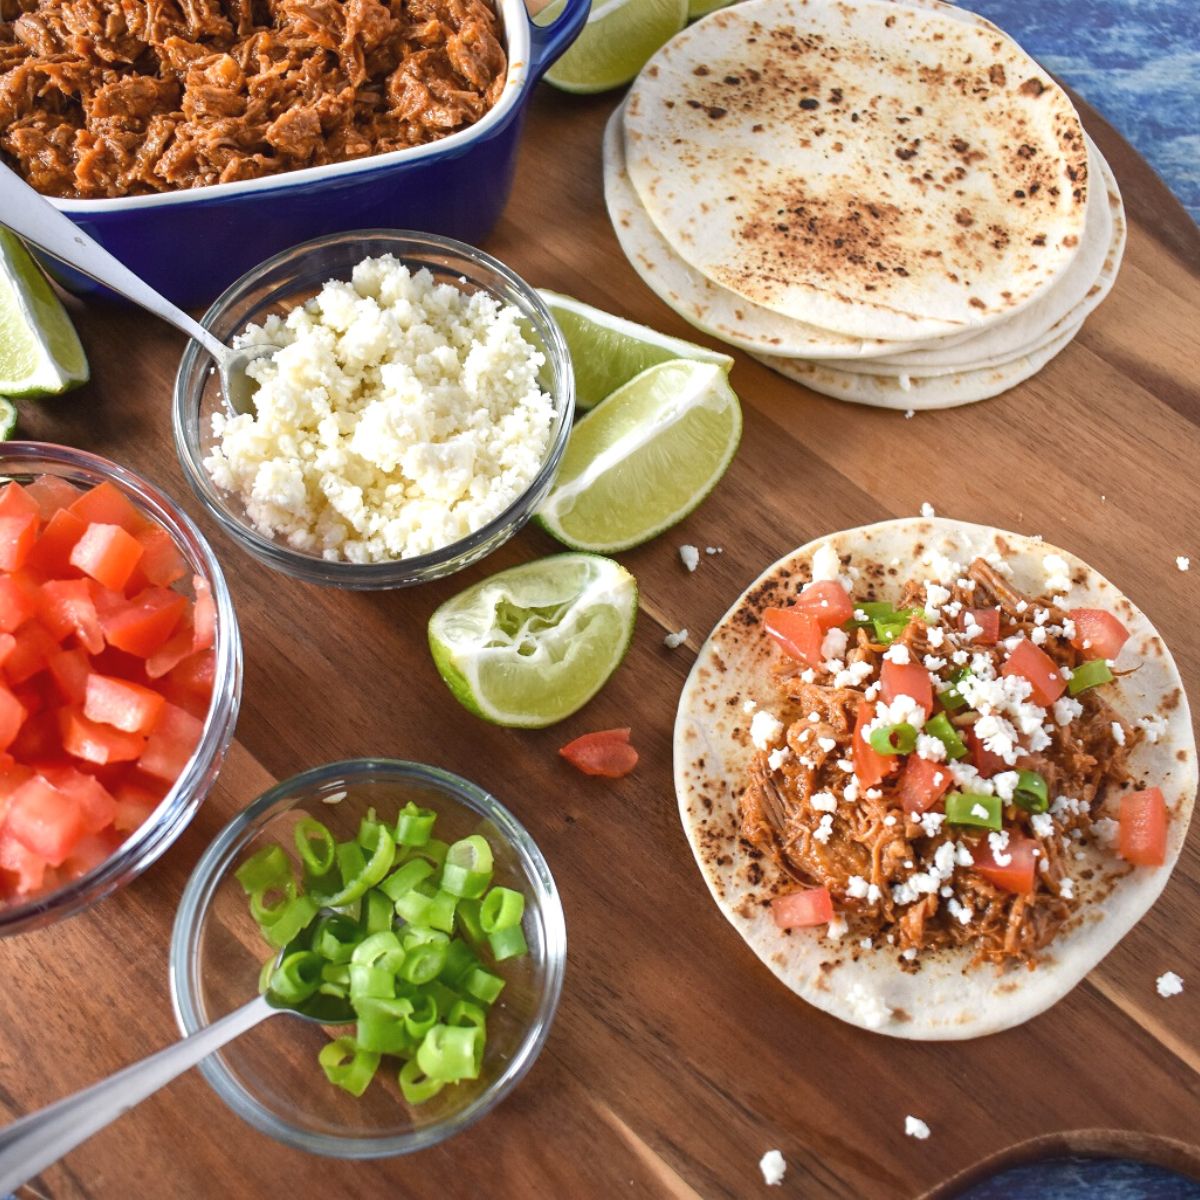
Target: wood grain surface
<point>676,1059</point>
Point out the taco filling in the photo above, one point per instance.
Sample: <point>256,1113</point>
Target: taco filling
<point>935,766</point>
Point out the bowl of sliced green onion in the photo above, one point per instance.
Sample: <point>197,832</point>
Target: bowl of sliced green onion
<point>413,914</point>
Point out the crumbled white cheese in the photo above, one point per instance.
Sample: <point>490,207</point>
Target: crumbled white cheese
<point>398,416</point>
<point>856,887</point>
<point>962,855</point>
<point>689,556</point>
<point>1182,562</point>
<point>714,549</point>
<point>825,563</point>
<point>1168,984</point>
<point>772,1165</point>
<point>909,413</point>
<point>931,748</point>
<point>853,675</point>
<point>867,1006</point>
<point>778,757</point>
<point>1005,783</point>
<point>824,829</point>
<point>1107,830</point>
<point>1118,732</point>
<point>1067,709</point>
<point>765,729</point>
<point>898,654</point>
<point>748,705</point>
<point>1066,888</point>
<point>977,810</point>
<point>910,954</point>
<point>837,928</point>
<point>1042,824</point>
<point>916,1128</point>
<point>1058,574</point>
<point>889,820</point>
<point>833,645</point>
<point>931,823</point>
<point>865,944</point>
<point>674,640</point>
<point>824,802</point>
<point>1155,726</point>
<point>827,743</point>
<point>928,511</point>
<point>932,662</point>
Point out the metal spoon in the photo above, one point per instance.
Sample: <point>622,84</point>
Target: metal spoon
<point>31,216</point>
<point>33,1143</point>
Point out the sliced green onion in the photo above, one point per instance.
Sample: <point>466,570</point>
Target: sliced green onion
<point>460,959</point>
<point>463,1012</point>
<point>448,1053</point>
<point>377,947</point>
<point>358,872</point>
<point>267,906</point>
<point>939,727</point>
<point>483,985</point>
<point>415,1086</point>
<point>418,935</point>
<point>1089,675</point>
<point>264,976</point>
<point>381,1028</point>
<point>1031,792</point>
<point>347,1066</point>
<point>968,808</point>
<point>423,1017</point>
<point>375,983</point>
<point>894,739</point>
<point>265,869</point>
<point>468,868</point>
<point>889,631</point>
<point>297,977</point>
<point>508,943</point>
<point>414,907</point>
<point>315,845</point>
<point>378,911</point>
<point>337,974</point>
<point>406,877</point>
<point>414,825</point>
<point>951,698</point>
<point>296,917</point>
<point>434,852</point>
<point>441,911</point>
<point>500,909</point>
<point>423,963</point>
<point>335,937</point>
<point>467,919</point>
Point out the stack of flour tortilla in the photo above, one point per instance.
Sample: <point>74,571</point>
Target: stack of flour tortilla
<point>889,202</point>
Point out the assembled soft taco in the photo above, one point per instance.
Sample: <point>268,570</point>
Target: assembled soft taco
<point>932,772</point>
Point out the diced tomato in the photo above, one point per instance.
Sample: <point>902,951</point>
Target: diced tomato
<point>172,743</point>
<point>1020,866</point>
<point>870,767</point>
<point>808,906</point>
<point>146,622</point>
<point>8,644</point>
<point>51,493</point>
<point>20,600</point>
<point>124,705</point>
<point>105,505</point>
<point>12,717</point>
<point>26,868</point>
<point>39,740</point>
<point>52,553</point>
<point>906,679</point>
<point>70,669</point>
<point>19,521</point>
<point>96,743</point>
<point>828,602</point>
<point>68,607</point>
<point>108,554</point>
<point>134,803</point>
<point>988,620</point>
<point>982,759</point>
<point>90,851</point>
<point>922,783</point>
<point>31,651</point>
<point>1143,839</point>
<point>606,753</point>
<point>204,615</point>
<point>168,656</point>
<point>196,674</point>
<point>1039,669</point>
<point>797,633</point>
<point>96,805</point>
<point>161,563</point>
<point>1098,634</point>
<point>44,820</point>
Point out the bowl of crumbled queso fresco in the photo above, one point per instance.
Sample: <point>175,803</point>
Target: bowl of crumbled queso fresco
<point>410,420</point>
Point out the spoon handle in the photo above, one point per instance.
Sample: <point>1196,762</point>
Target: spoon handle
<point>32,1143</point>
<point>34,218</point>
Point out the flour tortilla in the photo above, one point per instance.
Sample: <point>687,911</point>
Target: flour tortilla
<point>945,998</point>
<point>920,132</point>
<point>913,391</point>
<point>1065,303</point>
<point>713,309</point>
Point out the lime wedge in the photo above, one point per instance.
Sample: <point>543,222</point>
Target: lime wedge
<point>532,644</point>
<point>644,458</point>
<point>701,8</point>
<point>8,419</point>
<point>40,354</point>
<point>608,351</point>
<point>620,35</point>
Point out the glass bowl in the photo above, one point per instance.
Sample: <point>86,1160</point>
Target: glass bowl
<point>289,279</point>
<point>24,460</point>
<point>270,1076</point>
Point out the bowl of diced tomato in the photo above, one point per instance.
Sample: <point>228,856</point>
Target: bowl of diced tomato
<point>120,678</point>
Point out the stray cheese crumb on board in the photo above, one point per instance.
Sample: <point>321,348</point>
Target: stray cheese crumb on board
<point>1169,984</point>
<point>674,640</point>
<point>916,1128</point>
<point>690,557</point>
<point>1183,562</point>
<point>928,511</point>
<point>773,1167</point>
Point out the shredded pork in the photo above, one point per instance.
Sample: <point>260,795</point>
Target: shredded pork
<point>869,843</point>
<point>104,98</point>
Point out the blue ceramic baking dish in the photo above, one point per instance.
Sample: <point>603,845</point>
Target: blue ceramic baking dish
<point>192,244</point>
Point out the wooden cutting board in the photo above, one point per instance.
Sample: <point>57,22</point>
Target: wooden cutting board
<point>676,1059</point>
